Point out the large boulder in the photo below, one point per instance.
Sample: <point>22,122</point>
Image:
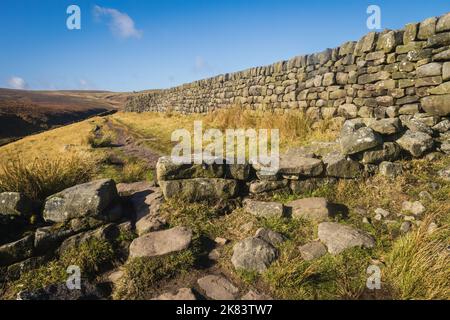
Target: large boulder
<point>161,242</point>
<point>389,151</point>
<point>438,105</point>
<point>16,251</point>
<point>199,189</point>
<point>91,199</point>
<point>298,165</point>
<point>218,288</point>
<point>15,204</point>
<point>264,209</point>
<point>416,143</point>
<point>360,140</point>
<point>339,166</point>
<point>253,254</point>
<point>168,169</point>
<point>315,209</point>
<point>338,237</point>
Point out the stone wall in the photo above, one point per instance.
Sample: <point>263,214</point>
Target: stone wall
<point>382,75</point>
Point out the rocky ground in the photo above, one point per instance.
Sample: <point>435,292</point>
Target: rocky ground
<point>377,196</point>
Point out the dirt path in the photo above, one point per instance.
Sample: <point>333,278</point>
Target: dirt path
<point>132,144</point>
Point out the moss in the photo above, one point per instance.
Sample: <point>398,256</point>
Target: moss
<point>141,275</point>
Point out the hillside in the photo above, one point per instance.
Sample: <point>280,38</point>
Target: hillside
<point>26,112</point>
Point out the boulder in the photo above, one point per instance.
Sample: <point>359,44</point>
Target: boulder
<point>416,143</point>
<point>429,70</point>
<point>183,294</point>
<point>386,126</point>
<point>107,233</point>
<point>168,169</point>
<point>264,209</point>
<point>16,251</point>
<point>415,125</point>
<point>438,40</point>
<point>339,166</point>
<point>444,23</point>
<point>161,242</point>
<point>415,208</point>
<point>85,200</point>
<point>15,204</point>
<point>312,250</point>
<point>442,126</point>
<point>338,237</point>
<point>253,254</point>
<point>360,140</point>
<point>48,238</point>
<point>269,236</point>
<point>265,186</point>
<point>146,207</point>
<point>315,209</point>
<point>389,151</point>
<point>438,105</point>
<point>130,189</point>
<point>390,169</point>
<point>199,189</point>
<point>293,165</point>
<point>218,288</point>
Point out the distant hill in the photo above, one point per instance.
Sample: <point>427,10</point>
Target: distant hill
<point>26,112</point>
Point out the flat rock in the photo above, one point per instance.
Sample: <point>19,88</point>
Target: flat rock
<point>168,169</point>
<point>386,126</point>
<point>180,295</point>
<point>16,251</point>
<point>294,165</point>
<point>253,254</point>
<point>264,209</point>
<point>161,242</point>
<point>218,288</point>
<point>389,151</point>
<point>107,233</point>
<point>269,236</point>
<point>85,200</point>
<point>416,143</point>
<point>339,166</point>
<point>129,189</point>
<point>266,186</point>
<point>254,296</point>
<point>338,237</point>
<point>15,204</point>
<point>361,140</point>
<point>390,169</point>
<point>415,208</point>
<point>315,209</point>
<point>192,190</point>
<point>312,250</point>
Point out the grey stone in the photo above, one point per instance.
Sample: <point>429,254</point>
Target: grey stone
<point>16,251</point>
<point>312,250</point>
<point>446,71</point>
<point>316,209</point>
<point>253,254</point>
<point>293,165</point>
<point>338,237</point>
<point>254,296</point>
<point>340,166</point>
<point>258,187</point>
<point>199,189</point>
<point>444,174</point>
<point>184,294</point>
<point>161,242</point>
<point>264,209</point>
<point>15,204</point>
<point>129,189</point>
<point>427,28</point>
<point>416,143</point>
<point>361,140</point>
<point>439,40</point>
<point>218,288</point>
<point>107,233</point>
<point>269,236</point>
<point>441,89</point>
<point>390,169</point>
<point>386,126</point>
<point>405,227</point>
<point>47,238</point>
<point>85,200</point>
<point>168,169</point>
<point>389,151</point>
<point>416,125</point>
<point>429,70</point>
<point>415,208</point>
<point>444,23</point>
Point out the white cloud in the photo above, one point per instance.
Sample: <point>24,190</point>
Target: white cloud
<point>120,23</point>
<point>17,83</point>
<point>201,65</point>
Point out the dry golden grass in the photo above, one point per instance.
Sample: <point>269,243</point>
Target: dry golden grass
<point>418,266</point>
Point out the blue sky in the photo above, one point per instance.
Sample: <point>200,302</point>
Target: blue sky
<point>145,44</point>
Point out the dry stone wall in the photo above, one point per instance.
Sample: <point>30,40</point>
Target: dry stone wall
<point>381,75</point>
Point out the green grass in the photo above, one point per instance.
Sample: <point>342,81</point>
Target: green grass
<point>141,275</point>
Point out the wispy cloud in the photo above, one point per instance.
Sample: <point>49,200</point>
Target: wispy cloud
<point>17,83</point>
<point>120,24</point>
<point>201,65</point>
